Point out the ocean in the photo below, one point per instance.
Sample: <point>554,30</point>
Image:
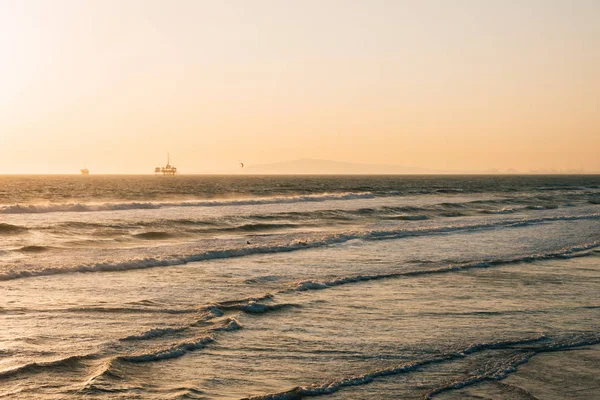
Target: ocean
<point>276,287</point>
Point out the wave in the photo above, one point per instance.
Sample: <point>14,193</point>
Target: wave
<point>509,365</point>
<point>250,305</point>
<point>453,205</point>
<point>8,229</point>
<point>168,229</point>
<point>106,370</point>
<point>259,227</point>
<point>154,333</point>
<point>452,214</point>
<point>358,380</point>
<point>262,279</point>
<point>300,219</point>
<point>500,211</point>
<point>259,308</point>
<point>261,304</point>
<point>488,206</point>
<point>252,227</point>
<point>251,223</point>
<point>542,207</point>
<point>111,366</point>
<point>494,372</point>
<point>155,235</point>
<point>228,324</point>
<point>79,207</point>
<point>409,217</point>
<point>175,351</point>
<point>99,309</point>
<point>266,296</point>
<point>576,251</point>
<point>524,350</point>
<point>231,324</point>
<point>179,349</point>
<point>449,190</point>
<point>328,240</point>
<point>34,249</point>
<point>67,362</point>
<point>112,363</point>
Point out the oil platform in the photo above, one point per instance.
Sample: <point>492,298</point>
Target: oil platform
<point>167,170</point>
<point>85,171</point>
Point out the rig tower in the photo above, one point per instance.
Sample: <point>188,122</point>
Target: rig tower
<point>167,170</point>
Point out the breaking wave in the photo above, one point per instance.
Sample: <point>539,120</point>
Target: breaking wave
<point>231,324</point>
<point>254,307</point>
<point>251,249</point>
<point>154,333</point>
<point>576,251</point>
<point>175,351</point>
<point>79,207</point>
<point>250,305</point>
<point>524,350</point>
<point>258,227</point>
<point>500,211</point>
<point>508,365</point>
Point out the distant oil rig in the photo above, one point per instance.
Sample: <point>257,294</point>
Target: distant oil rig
<point>167,170</point>
<point>85,171</point>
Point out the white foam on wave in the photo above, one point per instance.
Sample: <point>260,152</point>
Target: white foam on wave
<point>250,305</point>
<point>154,333</point>
<point>230,324</point>
<point>174,351</point>
<point>259,308</point>
<point>358,380</point>
<point>526,348</point>
<point>178,349</point>
<point>576,251</point>
<point>505,210</point>
<point>508,365</point>
<point>332,239</point>
<point>112,206</point>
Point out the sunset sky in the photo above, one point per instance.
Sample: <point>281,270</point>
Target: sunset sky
<point>450,85</point>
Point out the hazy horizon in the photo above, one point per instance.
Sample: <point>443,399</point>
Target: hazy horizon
<point>461,86</point>
<point>295,167</point>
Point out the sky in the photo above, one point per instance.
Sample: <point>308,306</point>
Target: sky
<point>455,85</point>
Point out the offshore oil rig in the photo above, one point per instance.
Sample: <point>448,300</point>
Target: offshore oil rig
<point>85,171</point>
<point>167,170</point>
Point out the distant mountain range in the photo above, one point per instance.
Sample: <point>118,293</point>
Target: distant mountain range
<point>309,166</point>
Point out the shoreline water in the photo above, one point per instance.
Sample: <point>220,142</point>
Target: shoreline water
<point>567,374</point>
<point>408,289</point>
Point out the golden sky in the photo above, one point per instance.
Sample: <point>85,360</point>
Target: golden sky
<point>461,85</point>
